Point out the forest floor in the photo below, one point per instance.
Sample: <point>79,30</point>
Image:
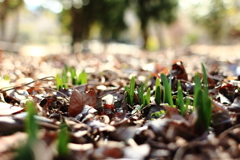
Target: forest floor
<point>95,121</point>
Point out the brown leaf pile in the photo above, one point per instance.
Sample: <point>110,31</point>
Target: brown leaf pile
<point>100,123</point>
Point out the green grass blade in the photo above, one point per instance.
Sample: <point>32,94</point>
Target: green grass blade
<point>187,103</point>
<point>131,90</point>
<point>73,75</point>
<point>82,78</point>
<point>200,123</point>
<point>207,100</point>
<point>197,87</point>
<point>158,92</point>
<point>59,82</point>
<point>202,102</point>
<point>127,89</point>
<point>140,91</point>
<point>30,121</point>
<point>205,80</point>
<point>180,99</point>
<point>31,127</point>
<point>63,140</point>
<point>65,78</point>
<point>147,97</point>
<point>208,111</point>
<point>167,91</point>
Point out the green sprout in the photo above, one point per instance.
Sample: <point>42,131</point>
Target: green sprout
<point>73,73</point>
<point>144,97</point>
<point>140,92</point>
<point>187,103</point>
<point>180,100</point>
<point>158,92</point>
<point>63,79</point>
<point>167,91</point>
<point>59,82</point>
<point>30,122</point>
<point>202,102</point>
<point>130,91</point>
<point>31,127</point>
<point>82,78</point>
<point>147,97</point>
<point>63,139</point>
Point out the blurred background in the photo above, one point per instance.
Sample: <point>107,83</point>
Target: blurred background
<point>99,26</point>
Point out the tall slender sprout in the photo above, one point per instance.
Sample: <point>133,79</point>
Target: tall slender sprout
<point>140,92</point>
<point>180,99</point>
<point>202,102</point>
<point>73,73</point>
<point>147,97</point>
<point>158,92</point>
<point>82,78</point>
<point>31,128</point>
<point>63,139</point>
<point>130,91</point>
<point>167,97</point>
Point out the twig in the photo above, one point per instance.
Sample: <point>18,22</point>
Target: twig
<point>26,84</point>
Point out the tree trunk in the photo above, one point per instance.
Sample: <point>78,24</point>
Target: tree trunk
<point>80,25</point>
<point>145,37</point>
<point>3,15</point>
<point>76,26</point>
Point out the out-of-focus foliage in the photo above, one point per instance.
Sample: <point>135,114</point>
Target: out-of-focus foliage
<point>80,16</point>
<point>108,15</point>
<point>7,6</point>
<point>219,18</point>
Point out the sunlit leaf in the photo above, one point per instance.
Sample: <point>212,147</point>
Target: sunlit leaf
<point>79,99</point>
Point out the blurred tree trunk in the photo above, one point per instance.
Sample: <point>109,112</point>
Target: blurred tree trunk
<point>163,11</point>
<point>80,25</point>
<point>3,15</point>
<point>109,15</point>
<point>145,38</point>
<point>3,21</point>
<point>6,7</point>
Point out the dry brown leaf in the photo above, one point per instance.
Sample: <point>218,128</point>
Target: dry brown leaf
<point>7,109</point>
<point>79,99</point>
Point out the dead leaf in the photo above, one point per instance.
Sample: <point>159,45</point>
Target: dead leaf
<point>179,71</point>
<point>96,124</point>
<point>235,107</point>
<point>79,99</point>
<point>7,109</point>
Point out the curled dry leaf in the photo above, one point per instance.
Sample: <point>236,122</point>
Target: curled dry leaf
<point>79,99</point>
<point>179,71</point>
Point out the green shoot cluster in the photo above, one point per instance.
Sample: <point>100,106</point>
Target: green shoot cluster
<point>63,79</point>
<point>202,103</point>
